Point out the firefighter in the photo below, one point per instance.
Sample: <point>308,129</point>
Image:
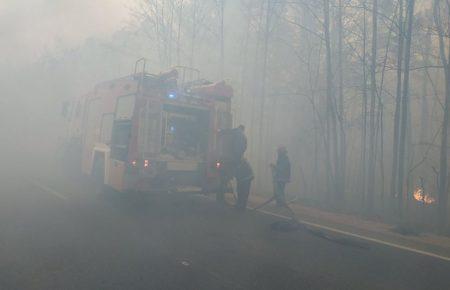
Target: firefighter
<point>239,144</point>
<point>233,153</point>
<point>226,174</point>
<point>281,173</point>
<point>244,178</point>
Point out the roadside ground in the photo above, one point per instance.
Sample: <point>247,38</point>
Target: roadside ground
<point>359,227</point>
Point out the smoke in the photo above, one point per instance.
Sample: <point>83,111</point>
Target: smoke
<point>31,90</point>
<point>30,28</point>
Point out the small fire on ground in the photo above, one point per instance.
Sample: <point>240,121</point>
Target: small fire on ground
<point>420,196</point>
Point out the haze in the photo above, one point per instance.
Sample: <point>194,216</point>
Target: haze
<point>29,28</point>
<point>224,144</point>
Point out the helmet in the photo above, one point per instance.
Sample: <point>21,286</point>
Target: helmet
<point>282,149</point>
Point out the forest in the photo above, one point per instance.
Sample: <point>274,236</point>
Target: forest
<point>357,90</point>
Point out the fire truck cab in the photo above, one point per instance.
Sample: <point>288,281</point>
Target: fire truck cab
<point>147,132</point>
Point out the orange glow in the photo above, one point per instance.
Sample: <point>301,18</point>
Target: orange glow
<point>420,196</point>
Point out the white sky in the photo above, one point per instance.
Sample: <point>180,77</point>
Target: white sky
<point>29,27</point>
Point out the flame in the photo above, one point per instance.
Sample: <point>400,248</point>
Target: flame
<point>420,196</point>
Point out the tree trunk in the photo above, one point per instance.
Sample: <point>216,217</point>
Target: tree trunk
<point>256,148</point>
<point>341,114</point>
<point>222,40</point>
<point>373,95</point>
<point>401,42</point>
<point>425,114</point>
<point>381,112</point>
<point>404,107</point>
<point>364,113</point>
<point>194,32</point>
<point>443,166</point>
<point>329,102</point>
<point>262,104</point>
<point>180,18</point>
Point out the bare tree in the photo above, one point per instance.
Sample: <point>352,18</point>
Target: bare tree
<point>373,94</point>
<point>363,171</point>
<point>443,166</point>
<point>341,176</point>
<point>180,21</point>
<point>222,38</point>
<point>330,124</point>
<point>401,41</point>
<point>404,106</point>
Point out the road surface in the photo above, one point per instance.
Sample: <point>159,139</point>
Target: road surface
<point>58,234</point>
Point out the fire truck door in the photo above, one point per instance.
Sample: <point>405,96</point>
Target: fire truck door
<point>91,133</point>
<point>121,136</point>
<point>120,141</point>
<point>117,174</point>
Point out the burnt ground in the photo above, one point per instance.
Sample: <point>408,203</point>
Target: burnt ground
<point>57,234</point>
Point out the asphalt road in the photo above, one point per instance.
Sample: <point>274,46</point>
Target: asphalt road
<point>57,234</point>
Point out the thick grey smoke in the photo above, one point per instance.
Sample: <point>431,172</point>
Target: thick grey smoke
<point>30,94</point>
<point>29,28</point>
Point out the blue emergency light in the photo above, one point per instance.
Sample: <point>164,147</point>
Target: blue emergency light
<point>172,95</point>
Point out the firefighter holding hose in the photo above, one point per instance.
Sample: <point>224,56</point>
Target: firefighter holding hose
<point>234,165</point>
<point>244,178</point>
<point>281,174</point>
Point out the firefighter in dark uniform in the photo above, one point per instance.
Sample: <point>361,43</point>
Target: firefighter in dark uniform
<point>244,178</point>
<point>235,145</point>
<point>239,143</point>
<point>281,173</point>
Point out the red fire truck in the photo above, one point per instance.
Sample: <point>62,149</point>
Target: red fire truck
<point>148,132</point>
